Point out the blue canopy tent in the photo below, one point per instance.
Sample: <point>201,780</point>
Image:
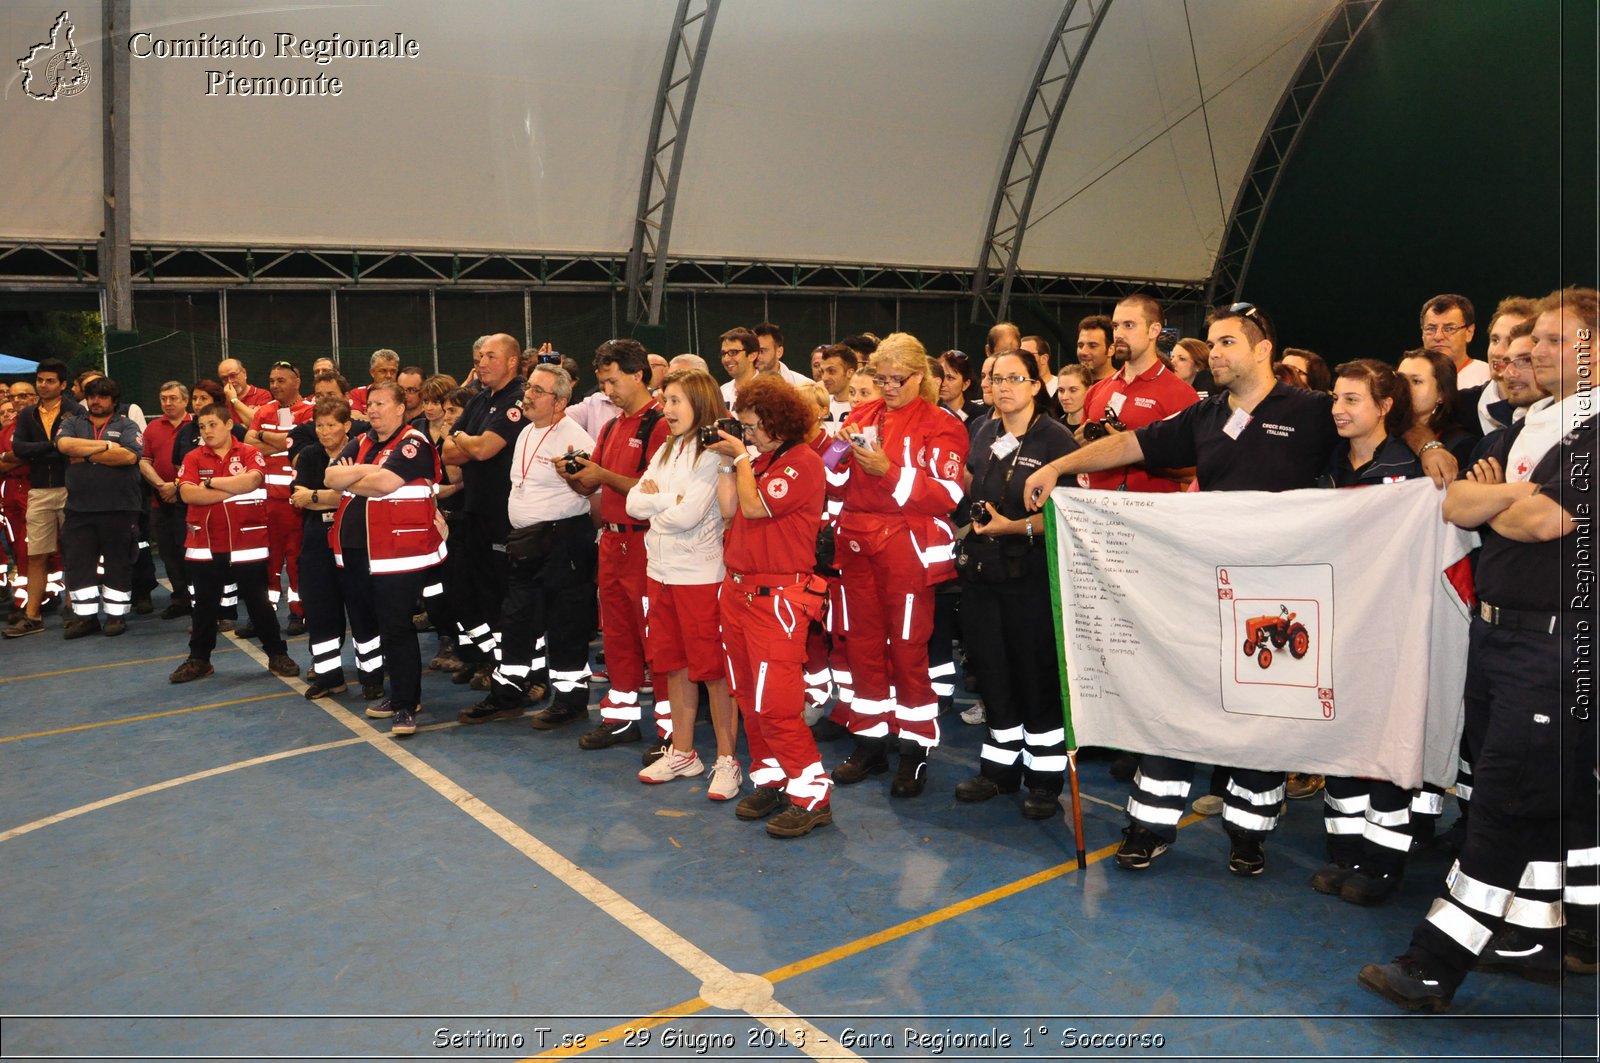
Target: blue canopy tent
<point>10,366</point>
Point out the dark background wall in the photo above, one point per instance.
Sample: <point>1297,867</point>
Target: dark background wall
<point>1454,151</point>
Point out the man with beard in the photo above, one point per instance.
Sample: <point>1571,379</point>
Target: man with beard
<point>1094,347</point>
<point>1140,391</point>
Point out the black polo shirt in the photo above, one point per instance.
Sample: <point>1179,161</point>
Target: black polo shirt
<point>1045,441</point>
<point>1392,462</point>
<point>1284,445</point>
<point>1555,576</point>
<point>488,483</point>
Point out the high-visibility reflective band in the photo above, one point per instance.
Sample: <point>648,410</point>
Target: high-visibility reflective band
<point>1535,915</point>
<point>1583,857</point>
<point>1399,841</point>
<point>925,741</point>
<point>869,707</point>
<point>934,554</point>
<point>1007,734</point>
<point>383,565</point>
<point>540,663</point>
<point>837,479</point>
<point>1248,820</point>
<point>407,491</point>
<point>842,676</point>
<point>1463,790</point>
<point>1269,798</point>
<point>433,590</point>
<point>1053,764</point>
<point>917,713</point>
<point>1427,803</point>
<point>613,713</point>
<point>1160,787</point>
<point>84,606</point>
<point>905,627</point>
<point>622,697</point>
<point>1459,926</point>
<point>877,729</point>
<point>258,495</point>
<point>816,678</point>
<point>943,690</point>
<point>367,645</point>
<point>279,480</point>
<point>322,649</point>
<point>1479,896</point>
<point>1048,738</point>
<point>1541,875</point>
<point>761,686</point>
<point>937,670</point>
<point>1343,825</point>
<point>294,596</point>
<point>111,594</point>
<point>515,670</point>
<point>229,599</point>
<point>197,553</point>
<point>950,488</point>
<point>1398,817</point>
<point>1155,814</point>
<point>273,596</point>
<point>844,607</point>
<point>1348,806</point>
<point>811,787</point>
<point>767,773</point>
<point>904,485</point>
<point>245,556</point>
<point>370,664</point>
<point>999,755</point>
<point>1584,896</point>
<point>118,608</point>
<point>326,666</point>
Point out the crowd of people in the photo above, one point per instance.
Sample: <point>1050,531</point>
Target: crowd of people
<point>792,546</point>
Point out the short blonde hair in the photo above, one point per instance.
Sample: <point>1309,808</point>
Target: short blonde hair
<point>903,351</point>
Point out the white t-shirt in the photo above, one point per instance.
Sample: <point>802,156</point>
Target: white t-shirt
<point>592,413</point>
<point>537,493</point>
<point>1472,374</point>
<point>684,543</point>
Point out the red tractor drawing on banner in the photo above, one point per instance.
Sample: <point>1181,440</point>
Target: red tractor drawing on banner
<point>1280,630</point>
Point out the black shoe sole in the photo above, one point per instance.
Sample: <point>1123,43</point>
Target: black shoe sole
<point>543,721</point>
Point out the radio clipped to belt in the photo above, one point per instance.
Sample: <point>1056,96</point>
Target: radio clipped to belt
<point>809,597</point>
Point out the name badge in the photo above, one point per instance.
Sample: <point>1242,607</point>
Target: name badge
<point>1236,424</point>
<point>1004,445</point>
<point>1115,402</point>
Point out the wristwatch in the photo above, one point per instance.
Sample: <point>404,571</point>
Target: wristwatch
<point>1432,444</point>
<point>206,483</point>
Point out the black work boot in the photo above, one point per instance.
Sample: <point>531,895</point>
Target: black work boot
<point>912,778</point>
<point>870,757</point>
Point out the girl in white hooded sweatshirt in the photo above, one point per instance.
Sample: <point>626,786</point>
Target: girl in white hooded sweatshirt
<point>678,496</point>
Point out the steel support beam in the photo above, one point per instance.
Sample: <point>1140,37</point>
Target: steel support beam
<point>1278,141</point>
<point>1030,144</point>
<point>646,276</point>
<point>116,246</point>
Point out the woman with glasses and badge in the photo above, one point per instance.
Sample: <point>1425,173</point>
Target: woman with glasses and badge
<point>769,597</point>
<point>899,480</point>
<point>1006,621</point>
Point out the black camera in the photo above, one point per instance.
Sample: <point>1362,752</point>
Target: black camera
<point>977,513</point>
<point>1107,424</point>
<point>551,358</point>
<point>569,462</point>
<point>730,425</point>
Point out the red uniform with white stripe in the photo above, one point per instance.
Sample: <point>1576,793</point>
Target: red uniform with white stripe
<point>14,512</point>
<point>1153,395</point>
<point>401,533</point>
<point>827,669</point>
<point>236,526</point>
<point>284,525</point>
<point>623,585</point>
<point>894,544</point>
<point>765,632</point>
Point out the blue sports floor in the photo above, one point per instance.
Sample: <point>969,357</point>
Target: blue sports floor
<point>225,870</point>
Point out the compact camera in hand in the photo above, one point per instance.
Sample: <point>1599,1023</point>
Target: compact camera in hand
<point>569,462</point>
<point>708,432</point>
<point>1107,424</point>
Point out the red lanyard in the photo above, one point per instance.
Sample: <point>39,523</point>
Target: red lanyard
<point>530,455</point>
<point>98,432</point>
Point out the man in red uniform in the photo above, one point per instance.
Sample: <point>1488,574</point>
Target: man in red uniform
<point>623,449</point>
<point>901,480</point>
<point>166,512</point>
<point>243,397</point>
<point>221,484</point>
<point>14,499</point>
<point>769,597</point>
<point>269,433</point>
<point>1140,392</point>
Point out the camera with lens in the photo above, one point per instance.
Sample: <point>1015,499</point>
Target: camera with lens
<point>569,462</point>
<point>977,513</point>
<point>1107,424</point>
<point>730,425</point>
<point>549,358</point>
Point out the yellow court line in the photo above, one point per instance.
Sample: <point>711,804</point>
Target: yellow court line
<point>852,948</point>
<point>146,716</point>
<point>96,667</point>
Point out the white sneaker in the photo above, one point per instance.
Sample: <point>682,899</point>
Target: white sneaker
<point>725,779</point>
<point>674,765</point>
<point>975,715</point>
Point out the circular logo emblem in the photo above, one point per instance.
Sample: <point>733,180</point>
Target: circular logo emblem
<point>777,488</point>
<point>409,450</point>
<point>234,468</point>
<point>513,413</point>
<point>855,547</point>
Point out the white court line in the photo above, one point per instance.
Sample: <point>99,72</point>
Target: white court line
<point>95,806</point>
<point>730,989</point>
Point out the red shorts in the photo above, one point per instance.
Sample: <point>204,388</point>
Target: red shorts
<point>683,630</point>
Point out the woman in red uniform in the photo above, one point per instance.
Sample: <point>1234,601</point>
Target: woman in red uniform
<point>899,484</point>
<point>769,597</point>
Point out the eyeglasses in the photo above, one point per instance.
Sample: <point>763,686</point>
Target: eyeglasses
<point>748,429</point>
<point>412,391</point>
<point>1016,380</point>
<point>285,365</point>
<point>896,382</point>
<point>1522,363</point>
<point>1441,330</point>
<point>535,389</point>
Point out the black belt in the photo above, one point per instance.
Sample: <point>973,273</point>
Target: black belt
<point>623,529</point>
<point>764,592</point>
<point>1519,620</point>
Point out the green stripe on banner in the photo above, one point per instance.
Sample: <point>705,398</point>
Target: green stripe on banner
<point>1052,551</point>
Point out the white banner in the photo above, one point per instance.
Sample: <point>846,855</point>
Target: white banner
<point>1314,631</point>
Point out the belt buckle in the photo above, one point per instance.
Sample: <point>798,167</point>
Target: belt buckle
<point>736,577</point>
<point>1487,612</point>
